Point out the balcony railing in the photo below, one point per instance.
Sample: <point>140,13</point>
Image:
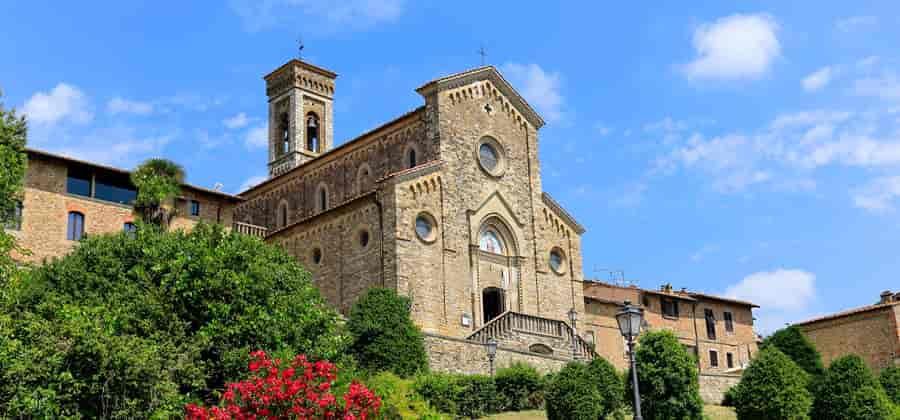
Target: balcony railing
<point>248,229</point>
<point>510,322</point>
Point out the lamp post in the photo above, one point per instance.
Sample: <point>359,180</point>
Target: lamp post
<point>492,352</point>
<point>629,320</point>
<point>573,317</point>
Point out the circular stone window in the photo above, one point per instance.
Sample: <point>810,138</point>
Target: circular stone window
<point>490,156</point>
<point>317,255</point>
<point>364,238</point>
<point>557,261</point>
<point>425,227</point>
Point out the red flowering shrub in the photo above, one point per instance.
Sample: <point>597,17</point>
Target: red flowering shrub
<point>300,390</point>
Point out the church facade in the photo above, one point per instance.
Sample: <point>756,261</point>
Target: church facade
<point>443,204</point>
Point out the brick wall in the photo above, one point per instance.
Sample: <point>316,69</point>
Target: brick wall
<point>872,334</point>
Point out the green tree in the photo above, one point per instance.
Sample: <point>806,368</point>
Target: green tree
<point>519,387</point>
<point>384,336</point>
<point>138,325</point>
<point>848,390</point>
<point>772,387</point>
<point>584,391</point>
<point>158,182</point>
<point>890,381</point>
<point>667,378</point>
<point>13,161</point>
<point>795,345</point>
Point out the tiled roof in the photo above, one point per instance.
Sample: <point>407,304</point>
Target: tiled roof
<point>686,295</point>
<point>848,312</point>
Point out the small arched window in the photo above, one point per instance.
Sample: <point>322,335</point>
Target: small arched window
<point>323,198</point>
<point>411,157</point>
<point>312,132</point>
<point>75,228</point>
<point>282,217</point>
<point>284,131</point>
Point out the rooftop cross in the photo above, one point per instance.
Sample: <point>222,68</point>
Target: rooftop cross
<point>483,54</point>
<point>300,47</point>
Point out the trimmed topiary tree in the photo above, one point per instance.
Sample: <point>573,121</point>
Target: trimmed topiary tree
<point>584,391</point>
<point>848,390</point>
<point>795,345</point>
<point>384,336</point>
<point>890,381</point>
<point>519,387</point>
<point>667,378</point>
<point>772,387</point>
<point>140,324</point>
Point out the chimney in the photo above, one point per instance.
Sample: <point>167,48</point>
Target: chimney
<point>666,288</point>
<point>886,297</point>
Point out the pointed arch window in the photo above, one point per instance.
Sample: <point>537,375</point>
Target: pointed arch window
<point>312,132</point>
<point>491,241</point>
<point>411,157</point>
<point>323,198</point>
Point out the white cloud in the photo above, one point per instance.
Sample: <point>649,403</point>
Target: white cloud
<point>866,64</point>
<point>602,129</point>
<point>734,47</point>
<point>238,121</point>
<point>257,137</point>
<point>250,182</point>
<point>117,146</point>
<point>782,294</point>
<point>818,79</point>
<point>540,88</point>
<point>879,195</point>
<point>701,253</point>
<point>63,103</point>
<point>119,105</point>
<point>854,23</point>
<point>321,17</point>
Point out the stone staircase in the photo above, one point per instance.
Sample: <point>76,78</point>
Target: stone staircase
<point>524,332</point>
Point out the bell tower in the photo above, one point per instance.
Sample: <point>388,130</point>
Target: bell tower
<point>300,114</point>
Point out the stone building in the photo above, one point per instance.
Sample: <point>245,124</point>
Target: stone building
<point>443,204</point>
<point>66,199</point>
<point>872,332</point>
<point>718,331</point>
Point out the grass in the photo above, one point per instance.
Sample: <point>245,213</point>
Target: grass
<point>712,412</point>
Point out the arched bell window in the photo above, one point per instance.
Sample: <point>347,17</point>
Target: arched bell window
<point>284,131</point>
<point>312,132</point>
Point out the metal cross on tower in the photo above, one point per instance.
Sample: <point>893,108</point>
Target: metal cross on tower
<point>482,53</point>
<point>300,47</point>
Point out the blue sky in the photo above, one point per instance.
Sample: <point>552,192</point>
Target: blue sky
<point>748,149</point>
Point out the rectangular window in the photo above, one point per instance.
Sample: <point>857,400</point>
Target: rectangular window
<point>114,187</point>
<point>195,208</point>
<point>713,358</point>
<point>78,181</point>
<point>129,229</point>
<point>669,307</point>
<point>13,221</point>
<point>75,228</point>
<point>729,322</point>
<point>710,323</point>
<point>729,360</point>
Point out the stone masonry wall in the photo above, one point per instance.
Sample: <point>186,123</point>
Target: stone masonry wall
<point>714,386</point>
<point>448,354</point>
<point>873,335</point>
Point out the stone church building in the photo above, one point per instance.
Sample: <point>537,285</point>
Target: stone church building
<point>443,204</point>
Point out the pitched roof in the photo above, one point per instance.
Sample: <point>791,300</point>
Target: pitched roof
<point>487,72</point>
<point>848,312</point>
<point>686,295</point>
<point>50,155</point>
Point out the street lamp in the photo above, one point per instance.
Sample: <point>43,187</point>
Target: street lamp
<point>492,352</point>
<point>573,317</point>
<point>629,319</point>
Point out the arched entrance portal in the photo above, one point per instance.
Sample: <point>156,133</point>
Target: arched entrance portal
<point>492,301</point>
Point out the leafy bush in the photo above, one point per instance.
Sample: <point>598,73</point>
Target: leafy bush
<point>667,378</point>
<point>468,396</point>
<point>144,323</point>
<point>584,391</point>
<point>848,390</point>
<point>301,389</point>
<point>772,387</point>
<point>795,345</point>
<point>728,398</point>
<point>399,399</point>
<point>890,381</point>
<point>384,336</point>
<point>13,163</point>
<point>519,387</point>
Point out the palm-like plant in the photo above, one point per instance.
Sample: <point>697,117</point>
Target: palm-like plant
<point>158,182</point>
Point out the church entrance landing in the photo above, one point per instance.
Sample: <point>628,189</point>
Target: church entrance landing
<point>532,334</point>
